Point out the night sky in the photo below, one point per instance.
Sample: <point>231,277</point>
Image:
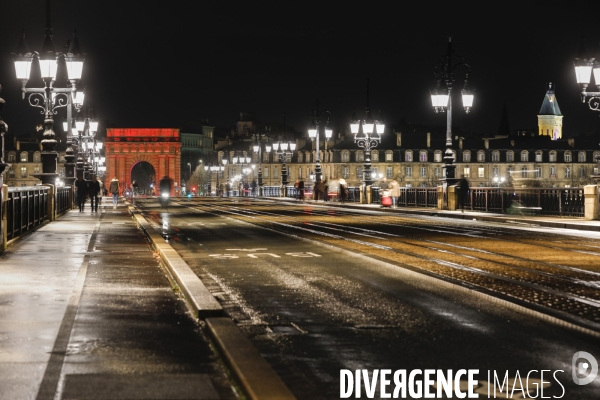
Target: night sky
<point>163,66</point>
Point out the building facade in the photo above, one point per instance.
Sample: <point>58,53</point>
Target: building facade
<point>196,149</point>
<point>413,155</point>
<point>24,156</point>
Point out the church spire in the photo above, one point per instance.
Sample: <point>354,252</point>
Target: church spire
<point>549,117</point>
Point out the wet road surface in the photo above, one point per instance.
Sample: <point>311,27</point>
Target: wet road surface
<point>314,308</point>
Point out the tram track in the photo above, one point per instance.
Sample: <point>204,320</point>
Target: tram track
<point>556,286</point>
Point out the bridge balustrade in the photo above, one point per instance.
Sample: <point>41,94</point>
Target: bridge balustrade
<point>63,199</point>
<point>566,202</point>
<point>27,208</point>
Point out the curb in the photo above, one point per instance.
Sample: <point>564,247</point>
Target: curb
<point>254,373</point>
<point>200,301</point>
<point>258,380</point>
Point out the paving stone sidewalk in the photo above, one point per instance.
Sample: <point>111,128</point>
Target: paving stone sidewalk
<point>86,311</point>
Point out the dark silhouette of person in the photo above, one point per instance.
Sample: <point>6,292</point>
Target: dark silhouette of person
<point>301,190</point>
<point>94,191</point>
<point>82,192</point>
<point>463,192</point>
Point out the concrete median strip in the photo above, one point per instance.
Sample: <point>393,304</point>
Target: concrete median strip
<point>255,374</point>
<point>200,301</point>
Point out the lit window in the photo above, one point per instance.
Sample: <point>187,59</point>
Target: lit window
<point>480,172</point>
<point>389,172</point>
<point>538,156</point>
<point>389,156</point>
<point>437,157</point>
<point>467,172</point>
<point>23,172</point>
<point>481,156</point>
<point>24,157</point>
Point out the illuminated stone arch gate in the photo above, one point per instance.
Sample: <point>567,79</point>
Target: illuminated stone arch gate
<point>160,147</point>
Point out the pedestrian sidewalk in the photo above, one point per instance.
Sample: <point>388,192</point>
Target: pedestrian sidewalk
<point>86,311</point>
<point>546,221</point>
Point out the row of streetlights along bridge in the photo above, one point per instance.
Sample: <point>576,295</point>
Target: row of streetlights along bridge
<point>49,98</point>
<point>367,133</point>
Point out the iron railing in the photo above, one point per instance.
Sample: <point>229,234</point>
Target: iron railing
<point>27,207</point>
<point>565,202</point>
<point>63,202</point>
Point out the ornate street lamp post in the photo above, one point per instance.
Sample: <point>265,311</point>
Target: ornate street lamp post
<point>583,73</point>
<point>367,135</point>
<point>284,151</point>
<point>241,161</point>
<point>314,133</point>
<point>49,98</point>
<point>257,147</point>
<point>441,99</point>
<point>86,130</point>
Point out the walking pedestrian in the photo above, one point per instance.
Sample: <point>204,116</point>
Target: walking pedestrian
<point>395,192</point>
<point>319,190</point>
<point>94,191</point>
<point>82,192</point>
<point>253,186</point>
<point>301,190</point>
<point>114,188</point>
<point>343,190</point>
<point>463,192</point>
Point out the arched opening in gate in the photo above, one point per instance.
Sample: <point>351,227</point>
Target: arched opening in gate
<point>144,174</point>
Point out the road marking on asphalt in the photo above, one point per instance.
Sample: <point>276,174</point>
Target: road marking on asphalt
<point>254,255</point>
<point>303,254</point>
<point>252,250</point>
